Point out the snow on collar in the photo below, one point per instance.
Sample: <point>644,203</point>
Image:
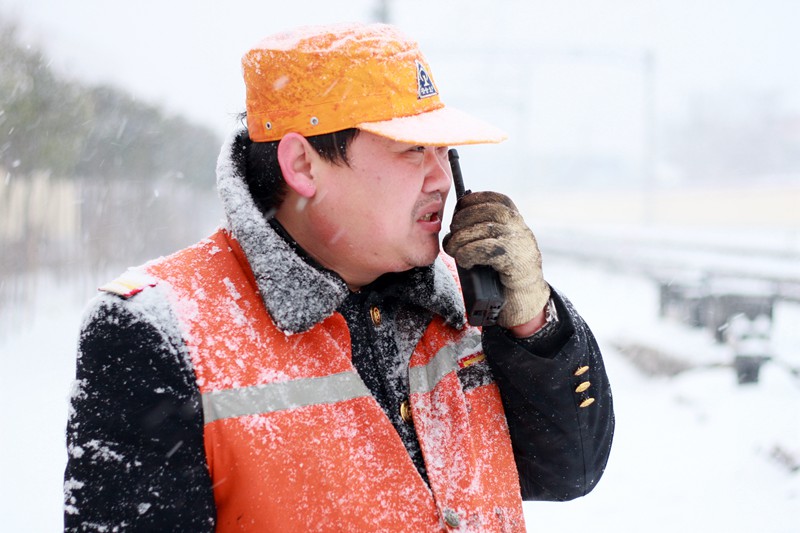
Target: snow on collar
<point>298,295</point>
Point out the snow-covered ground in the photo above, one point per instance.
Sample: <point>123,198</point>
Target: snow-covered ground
<point>696,452</point>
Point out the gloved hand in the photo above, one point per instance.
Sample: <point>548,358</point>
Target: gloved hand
<point>488,230</point>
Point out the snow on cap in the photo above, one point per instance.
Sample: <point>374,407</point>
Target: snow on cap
<point>321,79</point>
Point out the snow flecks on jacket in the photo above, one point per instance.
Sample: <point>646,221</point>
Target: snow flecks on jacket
<point>152,306</point>
<point>103,451</point>
<point>291,442</point>
<point>148,372</point>
<point>77,393</point>
<point>70,485</point>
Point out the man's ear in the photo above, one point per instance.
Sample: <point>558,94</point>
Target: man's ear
<point>295,155</point>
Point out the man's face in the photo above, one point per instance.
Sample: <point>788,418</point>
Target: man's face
<point>383,212</point>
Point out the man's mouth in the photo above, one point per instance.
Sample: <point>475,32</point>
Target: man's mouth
<point>429,212</point>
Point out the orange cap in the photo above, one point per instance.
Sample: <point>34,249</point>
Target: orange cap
<point>317,80</point>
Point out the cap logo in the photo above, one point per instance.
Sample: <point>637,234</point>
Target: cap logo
<point>425,87</point>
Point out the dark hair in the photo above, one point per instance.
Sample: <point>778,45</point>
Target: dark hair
<point>263,173</point>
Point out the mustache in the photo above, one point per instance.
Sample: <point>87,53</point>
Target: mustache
<point>427,200</point>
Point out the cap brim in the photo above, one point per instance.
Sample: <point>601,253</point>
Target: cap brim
<point>442,127</point>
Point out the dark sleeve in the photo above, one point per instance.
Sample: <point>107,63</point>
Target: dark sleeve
<point>135,432</point>
<point>561,448</point>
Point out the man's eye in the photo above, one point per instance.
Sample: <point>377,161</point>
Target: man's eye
<point>417,149</point>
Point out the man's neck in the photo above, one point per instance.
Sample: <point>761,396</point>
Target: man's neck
<point>284,233</point>
<point>302,238</point>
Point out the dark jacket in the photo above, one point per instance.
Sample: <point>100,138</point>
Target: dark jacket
<point>135,432</point>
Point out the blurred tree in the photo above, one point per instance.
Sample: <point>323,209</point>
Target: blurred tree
<point>49,124</point>
<point>134,141</point>
<point>43,120</point>
<point>188,151</point>
<point>91,177</point>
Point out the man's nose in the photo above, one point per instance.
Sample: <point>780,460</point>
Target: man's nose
<point>437,171</point>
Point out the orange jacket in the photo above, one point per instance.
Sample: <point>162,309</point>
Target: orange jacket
<point>295,441</point>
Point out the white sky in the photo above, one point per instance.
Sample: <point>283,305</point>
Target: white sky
<point>578,88</point>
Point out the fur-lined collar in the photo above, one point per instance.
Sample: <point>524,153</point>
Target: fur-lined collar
<point>297,294</point>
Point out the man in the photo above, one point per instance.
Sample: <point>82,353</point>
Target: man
<point>309,367</point>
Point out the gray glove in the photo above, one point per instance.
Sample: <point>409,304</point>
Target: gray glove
<point>488,230</point>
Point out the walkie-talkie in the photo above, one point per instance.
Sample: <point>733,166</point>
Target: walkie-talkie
<point>480,285</point>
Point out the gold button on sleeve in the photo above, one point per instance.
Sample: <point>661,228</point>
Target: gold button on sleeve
<point>583,386</point>
<point>581,370</point>
<point>587,402</point>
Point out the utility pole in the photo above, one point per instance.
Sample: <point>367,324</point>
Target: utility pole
<point>649,148</point>
<point>382,12</point>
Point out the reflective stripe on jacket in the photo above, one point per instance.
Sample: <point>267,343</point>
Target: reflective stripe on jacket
<point>295,441</point>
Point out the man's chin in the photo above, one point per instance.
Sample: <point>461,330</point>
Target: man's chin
<point>421,256</point>
<point>427,258</point>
